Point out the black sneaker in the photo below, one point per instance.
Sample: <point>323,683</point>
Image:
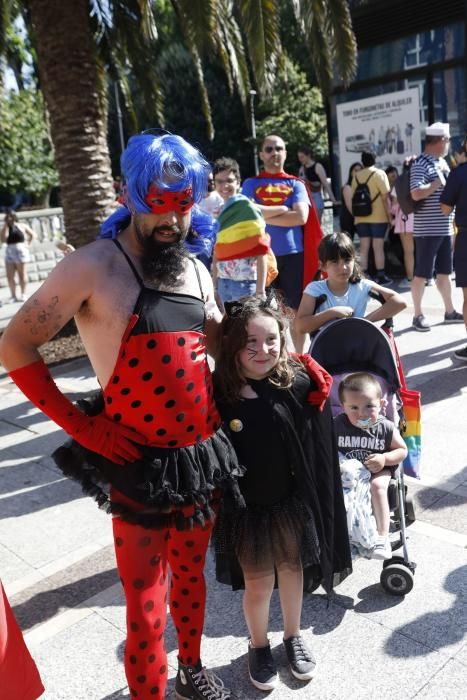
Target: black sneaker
<point>197,683</point>
<point>461,354</point>
<point>384,280</point>
<point>301,660</point>
<point>261,667</point>
<point>420,323</point>
<point>453,317</point>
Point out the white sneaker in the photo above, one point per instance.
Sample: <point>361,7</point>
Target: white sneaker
<point>382,548</point>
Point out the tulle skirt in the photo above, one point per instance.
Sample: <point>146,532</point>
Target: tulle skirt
<point>264,538</point>
<point>163,484</point>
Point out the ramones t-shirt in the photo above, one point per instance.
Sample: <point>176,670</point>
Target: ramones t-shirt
<point>356,443</point>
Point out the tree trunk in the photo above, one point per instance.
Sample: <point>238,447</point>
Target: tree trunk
<point>69,78</point>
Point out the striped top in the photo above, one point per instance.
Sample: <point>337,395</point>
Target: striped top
<point>429,220</point>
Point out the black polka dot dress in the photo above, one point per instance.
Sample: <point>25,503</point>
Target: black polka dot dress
<point>160,386</point>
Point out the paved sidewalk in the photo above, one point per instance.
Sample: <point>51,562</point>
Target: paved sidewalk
<point>58,567</point>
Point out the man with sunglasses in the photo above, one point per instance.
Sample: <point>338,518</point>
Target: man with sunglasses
<point>285,205</point>
<point>149,449</point>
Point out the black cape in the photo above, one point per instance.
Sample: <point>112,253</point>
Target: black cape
<point>308,433</point>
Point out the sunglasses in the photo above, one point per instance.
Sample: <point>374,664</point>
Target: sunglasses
<point>270,149</point>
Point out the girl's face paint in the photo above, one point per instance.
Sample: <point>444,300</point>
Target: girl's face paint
<point>261,352</point>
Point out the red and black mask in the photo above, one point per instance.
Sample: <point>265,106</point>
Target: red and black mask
<point>163,201</point>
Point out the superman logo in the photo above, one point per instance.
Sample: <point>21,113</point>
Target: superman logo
<point>273,193</point>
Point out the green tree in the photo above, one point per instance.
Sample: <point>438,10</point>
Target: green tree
<point>26,152</point>
<point>295,112</point>
<point>80,44</point>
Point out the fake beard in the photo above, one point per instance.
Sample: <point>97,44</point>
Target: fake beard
<point>163,263</point>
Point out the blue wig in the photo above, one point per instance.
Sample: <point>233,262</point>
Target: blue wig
<point>169,162</point>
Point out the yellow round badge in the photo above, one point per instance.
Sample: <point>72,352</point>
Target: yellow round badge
<point>236,425</point>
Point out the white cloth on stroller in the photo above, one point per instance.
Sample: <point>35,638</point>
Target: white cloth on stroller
<point>361,523</point>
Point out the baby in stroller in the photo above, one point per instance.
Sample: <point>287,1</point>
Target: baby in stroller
<point>370,447</point>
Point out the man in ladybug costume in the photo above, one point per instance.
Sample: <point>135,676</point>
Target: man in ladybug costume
<point>149,449</point>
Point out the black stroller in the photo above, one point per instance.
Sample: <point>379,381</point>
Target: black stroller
<point>357,345</point>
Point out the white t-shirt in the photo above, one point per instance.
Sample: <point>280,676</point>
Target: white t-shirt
<point>212,204</point>
<point>356,296</point>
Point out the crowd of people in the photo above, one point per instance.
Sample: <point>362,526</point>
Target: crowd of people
<point>250,456</point>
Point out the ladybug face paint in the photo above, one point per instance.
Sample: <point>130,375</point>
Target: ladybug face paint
<point>162,201</point>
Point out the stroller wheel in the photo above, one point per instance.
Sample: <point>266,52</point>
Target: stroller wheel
<point>410,509</point>
<point>396,579</point>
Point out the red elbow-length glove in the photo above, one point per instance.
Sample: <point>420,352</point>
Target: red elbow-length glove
<point>323,380</point>
<point>98,433</point>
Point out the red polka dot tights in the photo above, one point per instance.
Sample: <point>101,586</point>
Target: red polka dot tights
<point>143,558</point>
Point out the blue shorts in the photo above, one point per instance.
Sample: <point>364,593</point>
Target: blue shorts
<point>289,281</point>
<point>432,254</point>
<point>231,290</point>
<point>371,230</point>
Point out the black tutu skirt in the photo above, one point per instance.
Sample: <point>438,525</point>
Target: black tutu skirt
<point>262,538</point>
<point>172,487</point>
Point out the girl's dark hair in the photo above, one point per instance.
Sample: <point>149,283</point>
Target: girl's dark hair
<point>339,245</point>
<point>228,377</point>
<point>349,179</point>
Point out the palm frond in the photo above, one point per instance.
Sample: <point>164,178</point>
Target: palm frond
<point>148,23</point>
<point>259,20</point>
<point>231,50</point>
<point>124,38</point>
<point>327,29</point>
<point>194,38</point>
<point>344,43</point>
<point>197,19</point>
<point>7,12</point>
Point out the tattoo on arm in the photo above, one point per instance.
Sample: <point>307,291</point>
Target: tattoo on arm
<point>42,320</point>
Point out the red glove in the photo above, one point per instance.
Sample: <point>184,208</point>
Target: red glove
<point>97,433</point>
<point>321,378</point>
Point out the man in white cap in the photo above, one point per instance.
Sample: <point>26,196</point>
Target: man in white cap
<point>433,231</point>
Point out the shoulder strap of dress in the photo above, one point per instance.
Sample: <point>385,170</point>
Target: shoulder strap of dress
<point>199,278</point>
<point>127,258</point>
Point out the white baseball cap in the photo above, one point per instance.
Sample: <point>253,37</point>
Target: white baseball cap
<point>438,129</point>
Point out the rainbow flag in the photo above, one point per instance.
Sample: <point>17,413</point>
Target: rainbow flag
<point>242,230</point>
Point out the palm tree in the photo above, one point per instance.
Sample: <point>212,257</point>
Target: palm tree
<point>79,43</point>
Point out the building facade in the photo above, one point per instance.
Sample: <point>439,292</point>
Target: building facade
<point>402,45</point>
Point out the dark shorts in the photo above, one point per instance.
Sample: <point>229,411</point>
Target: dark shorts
<point>371,230</point>
<point>290,278</point>
<point>460,258</point>
<point>433,254</point>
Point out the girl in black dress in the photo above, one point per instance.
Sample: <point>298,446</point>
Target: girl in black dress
<point>292,532</point>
